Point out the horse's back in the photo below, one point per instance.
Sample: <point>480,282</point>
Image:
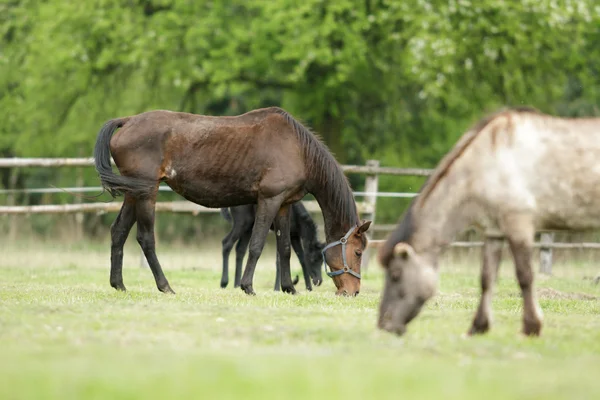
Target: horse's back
<point>543,165</point>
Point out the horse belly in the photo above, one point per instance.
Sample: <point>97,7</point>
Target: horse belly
<point>570,207</point>
<point>567,187</point>
<point>215,193</point>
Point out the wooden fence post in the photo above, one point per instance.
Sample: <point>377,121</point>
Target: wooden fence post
<point>78,200</point>
<point>11,201</point>
<point>371,188</point>
<point>546,238</point>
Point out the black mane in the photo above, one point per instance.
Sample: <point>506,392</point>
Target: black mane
<point>323,167</point>
<point>306,225</point>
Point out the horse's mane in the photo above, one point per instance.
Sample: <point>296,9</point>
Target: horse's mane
<point>405,228</point>
<point>306,225</point>
<point>323,167</point>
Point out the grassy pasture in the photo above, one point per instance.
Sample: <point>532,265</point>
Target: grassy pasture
<point>65,334</point>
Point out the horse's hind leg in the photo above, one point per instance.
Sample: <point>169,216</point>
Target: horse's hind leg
<point>520,233</point>
<point>240,252</point>
<point>119,231</point>
<point>277,286</point>
<point>282,230</point>
<point>145,213</point>
<point>492,254</point>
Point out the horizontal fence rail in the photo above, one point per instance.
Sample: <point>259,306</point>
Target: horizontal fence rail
<point>89,162</point>
<point>92,189</point>
<point>540,245</point>
<point>46,162</point>
<point>161,206</point>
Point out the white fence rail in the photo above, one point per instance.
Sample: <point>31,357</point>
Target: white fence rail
<point>161,206</point>
<point>373,169</point>
<point>96,189</point>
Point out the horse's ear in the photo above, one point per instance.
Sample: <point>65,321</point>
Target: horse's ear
<point>404,251</point>
<point>364,226</point>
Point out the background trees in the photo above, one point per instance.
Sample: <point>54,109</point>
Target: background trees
<point>396,81</point>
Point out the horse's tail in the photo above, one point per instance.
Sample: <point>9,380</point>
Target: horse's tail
<point>115,184</point>
<point>226,214</point>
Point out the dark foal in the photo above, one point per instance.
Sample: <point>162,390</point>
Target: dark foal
<point>263,157</point>
<point>303,237</point>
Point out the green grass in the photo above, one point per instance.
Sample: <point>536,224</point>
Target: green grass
<point>65,334</point>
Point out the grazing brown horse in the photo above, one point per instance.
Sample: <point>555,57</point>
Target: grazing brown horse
<point>515,172</point>
<point>264,156</point>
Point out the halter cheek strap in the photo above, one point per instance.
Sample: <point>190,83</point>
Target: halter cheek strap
<point>346,268</point>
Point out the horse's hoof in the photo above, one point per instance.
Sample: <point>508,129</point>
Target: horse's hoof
<point>224,284</point>
<point>118,286</point>
<point>166,289</point>
<point>532,328</point>
<point>290,290</point>
<point>479,328</point>
<point>248,290</point>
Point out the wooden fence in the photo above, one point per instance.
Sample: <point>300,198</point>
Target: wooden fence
<point>367,207</point>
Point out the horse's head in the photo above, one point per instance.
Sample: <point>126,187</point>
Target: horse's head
<point>344,257</point>
<point>410,280</point>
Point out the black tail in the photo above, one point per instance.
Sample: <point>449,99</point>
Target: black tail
<point>115,184</point>
<point>226,214</point>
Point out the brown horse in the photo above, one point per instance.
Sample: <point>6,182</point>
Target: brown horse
<point>264,157</point>
<point>515,172</point>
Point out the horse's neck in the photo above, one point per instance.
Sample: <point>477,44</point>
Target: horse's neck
<point>333,218</point>
<point>334,228</point>
<point>444,214</point>
<point>307,229</point>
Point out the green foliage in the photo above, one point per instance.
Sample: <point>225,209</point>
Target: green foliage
<point>398,81</point>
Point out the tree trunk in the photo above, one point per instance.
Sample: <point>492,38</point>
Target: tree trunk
<point>330,128</point>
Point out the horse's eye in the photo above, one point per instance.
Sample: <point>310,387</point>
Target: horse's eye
<point>395,274</point>
<point>358,253</point>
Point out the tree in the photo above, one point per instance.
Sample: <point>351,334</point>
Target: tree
<point>397,81</point>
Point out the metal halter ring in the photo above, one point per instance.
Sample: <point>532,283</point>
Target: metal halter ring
<point>346,268</point>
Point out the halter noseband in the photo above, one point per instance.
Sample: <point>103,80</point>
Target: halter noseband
<point>346,268</point>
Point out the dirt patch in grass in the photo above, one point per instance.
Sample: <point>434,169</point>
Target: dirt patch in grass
<point>548,293</point>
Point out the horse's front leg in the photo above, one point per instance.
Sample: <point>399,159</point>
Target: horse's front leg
<point>282,232</point>
<point>145,214</point>
<point>520,233</point>
<point>265,213</point>
<point>227,244</point>
<point>492,255</point>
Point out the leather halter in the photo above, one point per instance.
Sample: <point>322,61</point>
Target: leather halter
<point>346,268</point>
